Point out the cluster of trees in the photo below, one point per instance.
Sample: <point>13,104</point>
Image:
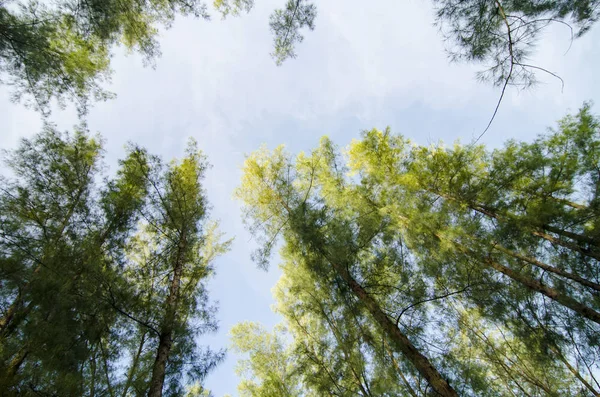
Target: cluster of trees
<point>103,281</point>
<point>61,50</point>
<point>422,271</point>
<point>407,270</point>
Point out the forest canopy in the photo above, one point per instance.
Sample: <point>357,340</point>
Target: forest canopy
<point>104,280</point>
<point>429,270</point>
<point>407,269</point>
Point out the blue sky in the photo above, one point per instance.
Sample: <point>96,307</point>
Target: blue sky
<point>367,64</point>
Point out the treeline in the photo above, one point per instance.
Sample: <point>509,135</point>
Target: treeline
<point>422,271</point>
<point>407,270</point>
<point>103,281</point>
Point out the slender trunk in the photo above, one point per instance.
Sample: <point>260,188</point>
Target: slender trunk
<point>134,364</point>
<point>556,350</point>
<point>409,351</point>
<point>410,389</point>
<point>16,363</point>
<point>93,373</point>
<point>574,371</point>
<point>535,285</point>
<point>539,233</point>
<point>549,268</point>
<point>166,333</point>
<point>573,236</point>
<point>571,204</point>
<point>551,293</point>
<point>571,246</point>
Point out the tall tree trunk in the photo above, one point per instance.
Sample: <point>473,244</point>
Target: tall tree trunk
<point>568,203</point>
<point>551,293</point>
<point>574,371</point>
<point>548,268</point>
<point>573,247</point>
<point>165,341</point>
<point>134,364</point>
<point>534,285</point>
<point>408,350</point>
<point>573,236</point>
<point>538,230</point>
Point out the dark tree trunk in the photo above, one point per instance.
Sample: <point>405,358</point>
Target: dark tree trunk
<point>401,341</point>
<point>549,268</point>
<point>166,333</point>
<point>551,293</point>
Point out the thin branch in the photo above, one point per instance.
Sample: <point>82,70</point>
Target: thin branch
<point>434,298</point>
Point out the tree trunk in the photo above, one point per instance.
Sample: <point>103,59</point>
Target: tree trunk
<point>571,246</point>
<point>540,233</point>
<point>10,313</point>
<point>574,371</point>
<point>534,285</point>
<point>408,350</point>
<point>16,363</point>
<point>551,293</point>
<point>166,333</point>
<point>573,236</point>
<point>134,365</point>
<point>568,203</point>
<point>549,268</point>
<point>482,209</point>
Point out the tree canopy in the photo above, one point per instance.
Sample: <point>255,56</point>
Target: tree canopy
<point>104,283</point>
<point>62,50</point>
<point>411,270</point>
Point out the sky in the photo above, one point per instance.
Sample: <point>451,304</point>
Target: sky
<point>366,65</point>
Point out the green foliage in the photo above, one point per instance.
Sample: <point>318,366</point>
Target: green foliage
<point>62,51</point>
<point>235,7</point>
<point>486,261</point>
<point>502,34</point>
<point>286,24</point>
<point>86,269</point>
<point>269,371</point>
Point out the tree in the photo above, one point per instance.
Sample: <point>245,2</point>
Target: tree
<point>62,51</point>
<point>503,34</point>
<point>518,218</point>
<point>183,250</point>
<point>475,271</point>
<point>285,23</point>
<point>282,198</point>
<point>98,276</point>
<point>56,239</point>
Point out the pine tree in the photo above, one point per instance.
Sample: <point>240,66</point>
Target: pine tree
<point>450,269</point>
